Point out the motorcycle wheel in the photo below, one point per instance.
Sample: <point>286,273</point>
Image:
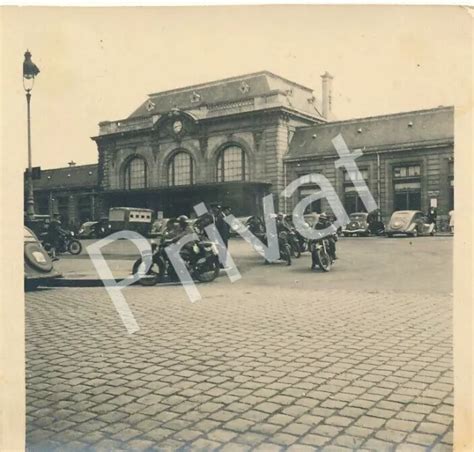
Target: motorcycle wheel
<point>136,264</point>
<point>74,247</point>
<point>152,276</point>
<point>208,271</point>
<point>324,260</point>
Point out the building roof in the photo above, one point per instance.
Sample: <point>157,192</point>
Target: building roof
<point>80,176</point>
<point>234,89</point>
<point>377,132</point>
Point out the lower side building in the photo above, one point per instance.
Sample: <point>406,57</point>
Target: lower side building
<point>72,192</point>
<point>406,161</point>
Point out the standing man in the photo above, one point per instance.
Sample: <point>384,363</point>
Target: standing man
<point>222,227</point>
<point>451,221</point>
<point>226,210</point>
<point>432,215</point>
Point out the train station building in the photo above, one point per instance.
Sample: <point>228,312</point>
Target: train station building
<point>233,141</point>
<point>222,141</point>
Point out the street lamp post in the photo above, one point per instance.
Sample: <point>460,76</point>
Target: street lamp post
<point>30,71</point>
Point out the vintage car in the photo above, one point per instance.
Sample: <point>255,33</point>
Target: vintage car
<point>94,229</point>
<point>158,228</point>
<point>39,224</point>
<point>39,268</point>
<point>357,225</point>
<point>131,219</point>
<point>409,222</point>
<point>88,230</point>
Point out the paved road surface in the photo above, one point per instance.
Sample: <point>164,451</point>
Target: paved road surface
<point>374,263</point>
<point>283,359</point>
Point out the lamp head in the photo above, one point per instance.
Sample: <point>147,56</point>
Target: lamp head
<point>30,70</point>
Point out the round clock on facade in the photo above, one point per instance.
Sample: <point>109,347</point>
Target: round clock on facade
<point>177,127</point>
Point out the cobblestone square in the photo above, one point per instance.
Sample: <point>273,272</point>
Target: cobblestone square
<point>284,359</point>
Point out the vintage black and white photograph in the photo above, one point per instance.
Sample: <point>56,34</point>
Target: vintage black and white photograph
<point>238,226</point>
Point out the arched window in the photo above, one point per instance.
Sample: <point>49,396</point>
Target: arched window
<point>232,164</point>
<point>180,169</point>
<point>135,174</point>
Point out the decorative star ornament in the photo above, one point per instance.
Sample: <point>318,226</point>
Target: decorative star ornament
<point>150,105</point>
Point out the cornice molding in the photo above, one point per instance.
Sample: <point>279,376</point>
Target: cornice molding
<point>370,150</point>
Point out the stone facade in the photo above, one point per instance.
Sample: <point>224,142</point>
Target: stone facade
<point>71,192</point>
<point>420,142</point>
<point>256,113</point>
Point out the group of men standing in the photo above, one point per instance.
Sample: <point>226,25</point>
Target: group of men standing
<point>216,216</point>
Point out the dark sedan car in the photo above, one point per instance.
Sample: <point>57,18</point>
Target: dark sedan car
<point>357,225</point>
<point>39,268</point>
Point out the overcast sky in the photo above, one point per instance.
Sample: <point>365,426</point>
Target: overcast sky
<point>100,64</point>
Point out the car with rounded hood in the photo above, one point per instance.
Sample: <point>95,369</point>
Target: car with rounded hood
<point>409,222</point>
<point>87,230</point>
<point>38,266</point>
<point>357,226</point>
<point>94,229</point>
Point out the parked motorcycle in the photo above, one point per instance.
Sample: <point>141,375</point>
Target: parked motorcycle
<point>302,241</point>
<point>65,243</point>
<point>294,242</point>
<point>321,254</point>
<point>200,258</point>
<point>283,244</point>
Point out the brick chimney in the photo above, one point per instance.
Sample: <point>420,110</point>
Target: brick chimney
<point>327,94</point>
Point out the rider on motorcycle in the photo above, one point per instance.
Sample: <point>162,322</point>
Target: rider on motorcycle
<point>256,226</point>
<point>181,229</point>
<point>176,229</point>
<point>323,223</point>
<point>55,235</point>
<point>282,238</point>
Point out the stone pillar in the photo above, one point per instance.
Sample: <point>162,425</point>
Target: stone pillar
<point>50,204</point>
<point>93,212</point>
<point>276,145</point>
<point>72,210</point>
